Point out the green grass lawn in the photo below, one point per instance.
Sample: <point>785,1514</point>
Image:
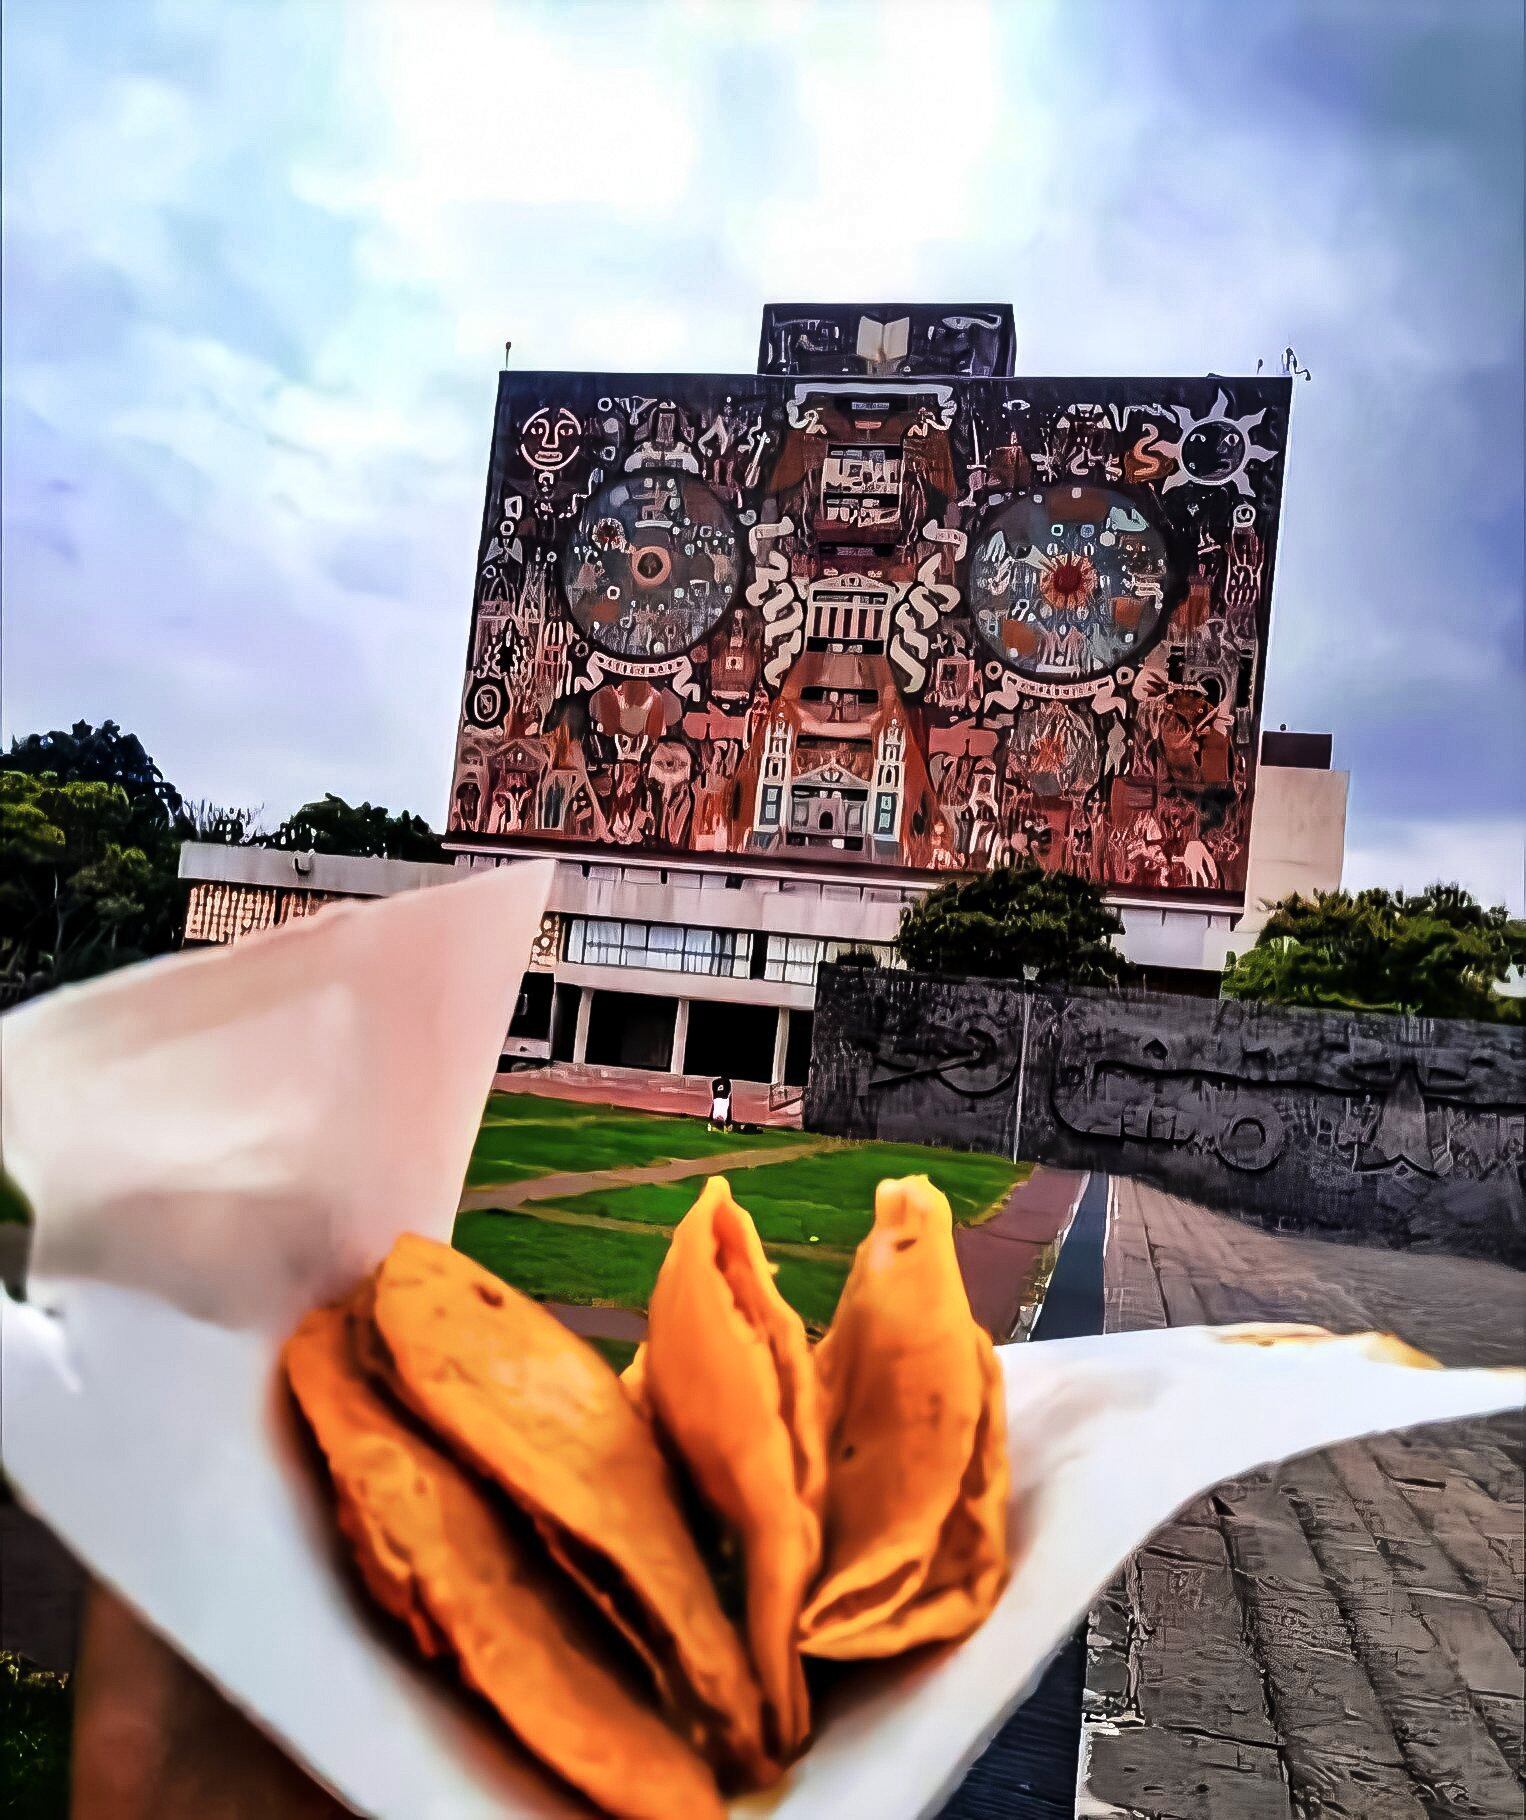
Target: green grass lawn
<point>614,1269</point>
<point>524,1135</point>
<point>826,1198</point>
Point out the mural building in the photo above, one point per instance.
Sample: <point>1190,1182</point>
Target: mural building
<point>880,607</point>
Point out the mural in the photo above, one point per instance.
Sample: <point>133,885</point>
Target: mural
<point>906,620</point>
<point>1400,1131</point>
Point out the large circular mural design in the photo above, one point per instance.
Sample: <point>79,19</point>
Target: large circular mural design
<point>652,566</point>
<point>1069,582</point>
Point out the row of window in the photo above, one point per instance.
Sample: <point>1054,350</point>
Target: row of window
<point>596,941</point>
<point>601,941</point>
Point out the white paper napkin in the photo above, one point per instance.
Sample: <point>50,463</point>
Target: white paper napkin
<point>214,1143</point>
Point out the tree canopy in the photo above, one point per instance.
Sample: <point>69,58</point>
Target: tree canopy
<point>1013,918</point>
<point>335,826</point>
<point>78,894</point>
<point>90,834</point>
<point>106,755</point>
<point>1437,953</point>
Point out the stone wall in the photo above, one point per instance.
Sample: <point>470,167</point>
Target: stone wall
<point>1396,1131</point>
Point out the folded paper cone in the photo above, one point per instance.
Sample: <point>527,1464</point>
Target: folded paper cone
<point>215,1144</point>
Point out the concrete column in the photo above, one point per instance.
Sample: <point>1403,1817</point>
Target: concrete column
<point>781,1045</point>
<point>580,1029</point>
<point>680,1036</point>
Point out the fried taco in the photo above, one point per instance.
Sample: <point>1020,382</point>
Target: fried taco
<point>915,1547</point>
<point>535,1409</point>
<point>436,1553</point>
<point>726,1373</point>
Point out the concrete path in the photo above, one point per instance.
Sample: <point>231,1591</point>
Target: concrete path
<point>1004,1259</point>
<point>681,1169</point>
<point>600,1323</point>
<point>1342,1636</point>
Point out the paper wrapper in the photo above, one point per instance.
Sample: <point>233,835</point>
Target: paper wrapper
<point>215,1143</point>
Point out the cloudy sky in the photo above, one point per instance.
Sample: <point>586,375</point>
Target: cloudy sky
<point>260,261</point>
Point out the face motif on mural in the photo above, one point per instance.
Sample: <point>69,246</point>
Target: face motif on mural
<point>549,439</point>
<point>653,565</point>
<point>1069,582</point>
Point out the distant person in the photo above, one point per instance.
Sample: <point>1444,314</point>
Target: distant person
<point>720,1103</point>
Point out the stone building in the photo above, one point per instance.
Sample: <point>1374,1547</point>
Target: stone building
<point>759,657</point>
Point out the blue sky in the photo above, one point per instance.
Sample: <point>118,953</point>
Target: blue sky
<point>260,261</point>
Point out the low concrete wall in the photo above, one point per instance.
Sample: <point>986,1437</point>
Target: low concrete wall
<point>1397,1131</point>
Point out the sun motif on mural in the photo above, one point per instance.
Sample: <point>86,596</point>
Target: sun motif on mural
<point>1069,582</point>
<point>1214,450</point>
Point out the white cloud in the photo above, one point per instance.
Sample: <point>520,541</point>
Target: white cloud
<point>325,220</point>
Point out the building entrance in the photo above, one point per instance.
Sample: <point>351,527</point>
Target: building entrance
<point>735,1040</point>
<point>630,1030</point>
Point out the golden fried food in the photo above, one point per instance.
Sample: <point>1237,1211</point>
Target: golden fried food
<point>536,1410</point>
<point>634,1380</point>
<point>435,1553</point>
<point>915,1542</point>
<point>727,1374</point>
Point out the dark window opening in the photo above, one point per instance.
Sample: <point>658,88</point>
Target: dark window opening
<point>735,1040</point>
<point>630,1030</point>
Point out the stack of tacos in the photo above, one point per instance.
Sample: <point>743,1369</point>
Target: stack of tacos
<point>631,1573</point>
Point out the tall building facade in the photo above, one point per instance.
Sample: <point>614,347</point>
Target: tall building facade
<point>761,656</point>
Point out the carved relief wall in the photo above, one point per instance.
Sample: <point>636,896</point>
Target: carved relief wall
<point>1395,1130</point>
<point>894,619</point>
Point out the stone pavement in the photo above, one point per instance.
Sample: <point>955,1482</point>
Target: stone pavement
<point>1341,1636</point>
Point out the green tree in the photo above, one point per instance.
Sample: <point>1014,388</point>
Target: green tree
<point>156,823</point>
<point>1436,953</point>
<point>106,755</point>
<point>335,826</point>
<point>1005,922</point>
<point>75,887</point>
<point>221,826</point>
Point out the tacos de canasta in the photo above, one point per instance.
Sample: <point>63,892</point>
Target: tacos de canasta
<point>435,1553</point>
<point>512,1504</point>
<point>727,1375</point>
<point>915,1542</point>
<point>537,1411</point>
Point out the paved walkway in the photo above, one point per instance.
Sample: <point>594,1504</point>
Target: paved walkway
<point>1005,1259</point>
<point>575,1182</point>
<point>600,1323</point>
<point>1343,1636</point>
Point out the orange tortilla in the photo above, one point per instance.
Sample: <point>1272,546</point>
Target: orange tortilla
<point>727,1374</point>
<point>916,1546</point>
<point>532,1407</point>
<point>434,1553</point>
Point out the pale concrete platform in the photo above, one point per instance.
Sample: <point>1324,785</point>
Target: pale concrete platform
<point>650,1090</point>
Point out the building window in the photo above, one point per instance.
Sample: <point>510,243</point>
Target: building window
<point>595,941</point>
<point>768,808</point>
<point>793,959</point>
<point>884,813</point>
